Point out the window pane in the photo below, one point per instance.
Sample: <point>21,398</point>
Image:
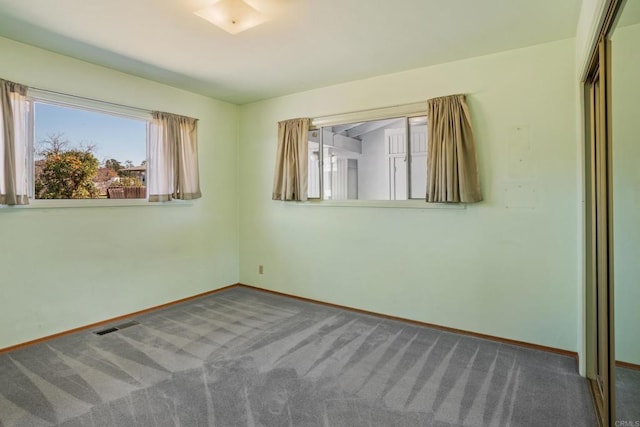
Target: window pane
<point>313,191</point>
<point>81,154</point>
<point>340,175</point>
<point>418,132</point>
<point>365,160</point>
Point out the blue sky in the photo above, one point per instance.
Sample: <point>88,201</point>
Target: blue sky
<point>115,137</point>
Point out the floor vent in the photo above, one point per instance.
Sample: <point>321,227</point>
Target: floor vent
<point>127,325</point>
<point>106,331</point>
<point>116,328</point>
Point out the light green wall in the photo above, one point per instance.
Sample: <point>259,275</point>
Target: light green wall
<point>626,190</point>
<point>64,268</point>
<point>490,268</point>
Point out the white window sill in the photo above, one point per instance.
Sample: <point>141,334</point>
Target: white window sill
<point>95,203</point>
<point>402,204</point>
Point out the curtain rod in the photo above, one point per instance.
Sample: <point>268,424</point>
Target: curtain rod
<point>115,104</point>
<point>419,107</point>
<point>372,114</point>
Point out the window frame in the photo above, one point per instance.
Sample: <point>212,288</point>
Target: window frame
<point>406,112</point>
<point>86,104</point>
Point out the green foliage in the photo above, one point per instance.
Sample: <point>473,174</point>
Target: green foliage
<point>119,167</point>
<point>113,164</point>
<point>127,181</point>
<point>64,173</point>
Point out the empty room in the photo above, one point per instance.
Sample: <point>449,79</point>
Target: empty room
<point>319,213</point>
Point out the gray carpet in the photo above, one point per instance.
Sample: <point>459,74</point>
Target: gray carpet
<point>246,358</point>
<point>628,395</point>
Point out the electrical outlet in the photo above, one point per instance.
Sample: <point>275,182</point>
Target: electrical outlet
<point>260,269</point>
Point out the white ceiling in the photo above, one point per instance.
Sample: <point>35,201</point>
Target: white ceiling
<point>307,43</point>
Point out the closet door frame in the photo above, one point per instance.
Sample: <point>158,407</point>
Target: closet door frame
<point>599,238</point>
<point>599,257</point>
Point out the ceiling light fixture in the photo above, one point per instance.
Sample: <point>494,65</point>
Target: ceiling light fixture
<point>233,16</point>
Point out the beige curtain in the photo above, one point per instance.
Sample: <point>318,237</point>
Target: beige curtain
<point>13,144</point>
<point>452,170</point>
<point>291,174</point>
<point>173,158</point>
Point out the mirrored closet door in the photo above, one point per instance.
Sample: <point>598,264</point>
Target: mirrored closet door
<point>598,236</point>
<point>624,46</point>
<point>612,215</point>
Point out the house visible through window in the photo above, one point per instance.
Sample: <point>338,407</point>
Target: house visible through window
<point>86,153</point>
<point>370,160</point>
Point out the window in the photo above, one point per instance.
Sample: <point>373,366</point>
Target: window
<point>82,149</point>
<point>383,159</point>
